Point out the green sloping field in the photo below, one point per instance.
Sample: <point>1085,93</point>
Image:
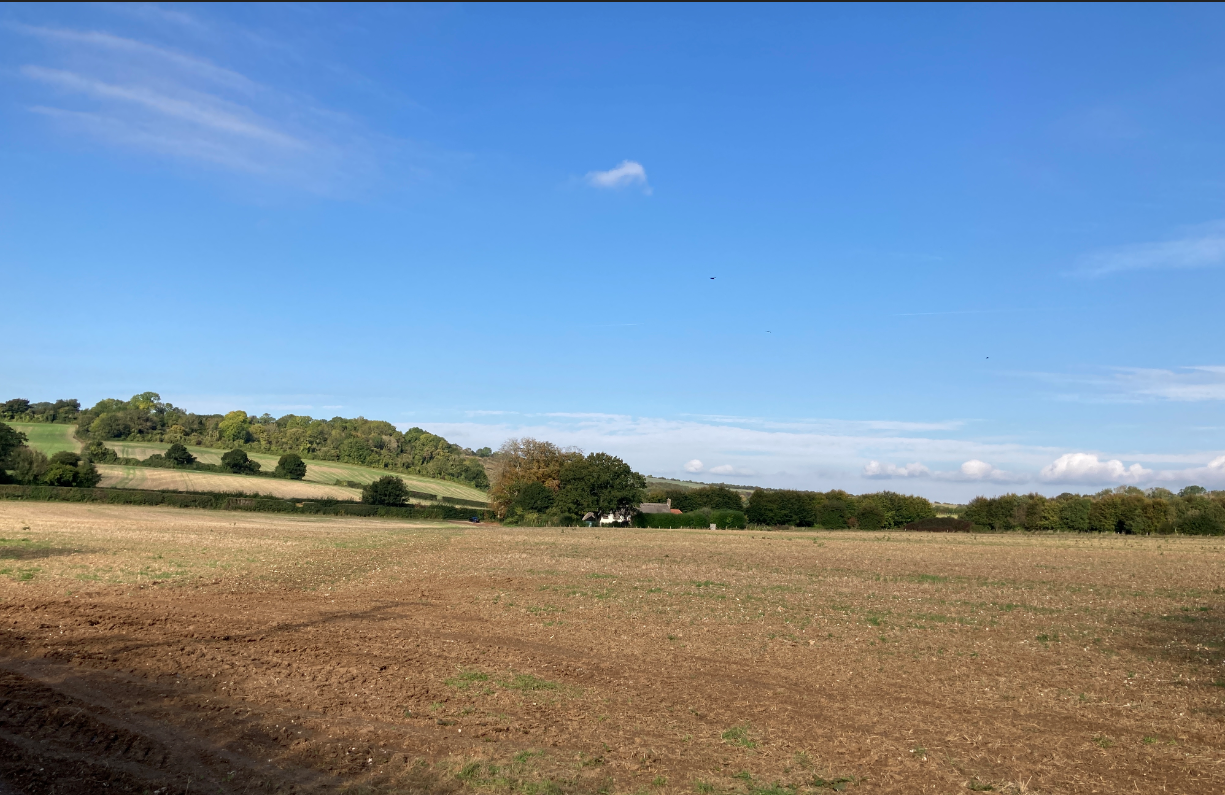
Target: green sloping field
<point>121,477</point>
<point>48,437</point>
<point>325,472</point>
<point>51,438</point>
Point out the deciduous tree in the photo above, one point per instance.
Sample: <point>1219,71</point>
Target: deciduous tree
<point>387,490</point>
<point>601,484</point>
<point>238,462</point>
<point>179,456</point>
<point>291,466</point>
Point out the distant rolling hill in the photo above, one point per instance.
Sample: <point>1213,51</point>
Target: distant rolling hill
<point>663,484</point>
<point>324,479</point>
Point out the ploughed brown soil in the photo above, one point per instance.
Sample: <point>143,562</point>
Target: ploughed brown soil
<point>173,651</point>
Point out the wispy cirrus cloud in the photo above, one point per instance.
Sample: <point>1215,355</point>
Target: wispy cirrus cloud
<point>154,99</point>
<point>1204,247</point>
<point>1190,384</point>
<point>156,13</point>
<point>1186,384</point>
<point>126,46</point>
<point>195,109</point>
<point>623,175</point>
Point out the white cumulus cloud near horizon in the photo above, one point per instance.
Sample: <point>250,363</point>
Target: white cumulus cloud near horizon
<point>1087,468</point>
<point>975,470</point>
<point>824,454</point>
<point>877,470</point>
<point>969,471</point>
<point>806,454</point>
<point>623,175</point>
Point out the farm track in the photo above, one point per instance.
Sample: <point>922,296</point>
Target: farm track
<point>256,654</point>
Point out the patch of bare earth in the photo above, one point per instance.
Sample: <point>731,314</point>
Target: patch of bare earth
<point>144,649</point>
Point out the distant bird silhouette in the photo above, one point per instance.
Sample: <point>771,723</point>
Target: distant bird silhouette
<point>712,278</point>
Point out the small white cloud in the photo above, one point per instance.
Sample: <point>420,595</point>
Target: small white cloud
<point>628,172</point>
<point>1087,468</point>
<point>977,471</point>
<point>693,466</point>
<point>879,471</point>
<point>728,469</point>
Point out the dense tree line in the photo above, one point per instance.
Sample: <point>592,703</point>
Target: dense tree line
<point>21,463</point>
<point>836,509</point>
<point>540,483</point>
<point>702,517</point>
<point>1125,509</point>
<point>372,443</point>
<point>22,410</point>
<point>687,500</point>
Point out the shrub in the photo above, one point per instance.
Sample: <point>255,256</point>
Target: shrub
<point>940,524</point>
<point>291,466</point>
<point>178,455</point>
<point>87,475</point>
<point>99,453</point>
<point>239,463</point>
<point>387,490</point>
<point>28,465</point>
<point>65,457</point>
<point>60,475</point>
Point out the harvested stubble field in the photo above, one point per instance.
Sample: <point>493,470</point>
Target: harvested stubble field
<point>212,652</point>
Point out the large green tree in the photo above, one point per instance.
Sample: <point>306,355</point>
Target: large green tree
<point>601,484</point>
<point>291,466</point>
<point>178,455</point>
<point>238,462</point>
<point>234,427</point>
<point>27,464</point>
<point>387,490</point>
<point>10,440</point>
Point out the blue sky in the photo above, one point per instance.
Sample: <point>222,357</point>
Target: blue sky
<point>957,250</point>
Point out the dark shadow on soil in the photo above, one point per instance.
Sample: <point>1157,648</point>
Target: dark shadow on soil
<point>16,550</point>
<point>53,743</point>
